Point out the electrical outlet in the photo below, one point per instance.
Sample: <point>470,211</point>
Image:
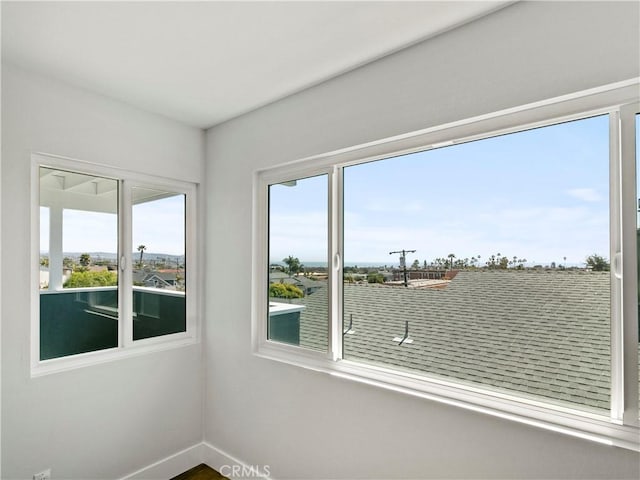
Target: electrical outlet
<point>44,475</point>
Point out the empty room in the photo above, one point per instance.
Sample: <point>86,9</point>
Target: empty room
<point>320,240</point>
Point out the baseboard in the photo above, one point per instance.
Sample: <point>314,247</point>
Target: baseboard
<point>231,467</point>
<point>170,466</point>
<point>204,452</point>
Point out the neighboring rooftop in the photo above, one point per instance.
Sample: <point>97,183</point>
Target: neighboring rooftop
<point>307,285</point>
<point>539,333</point>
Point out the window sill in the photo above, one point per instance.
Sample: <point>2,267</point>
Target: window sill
<point>72,362</point>
<point>577,423</point>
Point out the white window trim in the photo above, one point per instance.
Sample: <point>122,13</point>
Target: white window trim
<point>127,347</point>
<point>620,428</point>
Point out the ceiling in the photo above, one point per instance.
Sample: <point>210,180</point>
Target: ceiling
<point>202,63</point>
<point>79,191</point>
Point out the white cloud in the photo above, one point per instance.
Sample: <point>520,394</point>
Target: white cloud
<point>394,206</point>
<point>585,194</point>
<point>541,234</point>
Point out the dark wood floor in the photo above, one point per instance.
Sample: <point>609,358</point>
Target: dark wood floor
<point>201,472</point>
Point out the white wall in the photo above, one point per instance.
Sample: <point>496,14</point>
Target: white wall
<point>309,425</point>
<point>107,420</point>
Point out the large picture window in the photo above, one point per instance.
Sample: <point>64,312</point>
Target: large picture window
<point>504,280</point>
<point>113,262</point>
<point>484,267</point>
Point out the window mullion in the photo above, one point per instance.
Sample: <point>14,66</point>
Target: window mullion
<point>125,282</point>
<point>629,326</point>
<point>615,205</point>
<point>335,266</point>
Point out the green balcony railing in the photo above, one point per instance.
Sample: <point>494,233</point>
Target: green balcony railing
<point>284,322</point>
<point>81,320</point>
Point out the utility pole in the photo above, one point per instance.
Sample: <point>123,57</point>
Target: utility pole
<point>403,263</point>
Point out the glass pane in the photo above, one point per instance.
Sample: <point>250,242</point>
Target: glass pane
<point>78,263</point>
<point>486,262</point>
<point>159,273</point>
<point>298,250</point>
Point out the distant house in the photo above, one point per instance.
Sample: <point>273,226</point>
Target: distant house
<point>44,276</point>
<point>307,285</point>
<point>277,275</point>
<point>155,279</point>
<point>97,268</point>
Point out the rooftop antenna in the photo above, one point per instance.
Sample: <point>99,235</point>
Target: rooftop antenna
<point>349,330</point>
<point>406,338</point>
<point>403,262</point>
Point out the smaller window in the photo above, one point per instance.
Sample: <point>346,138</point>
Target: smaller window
<point>114,261</point>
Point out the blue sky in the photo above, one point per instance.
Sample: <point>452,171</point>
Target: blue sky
<point>159,225</point>
<point>540,195</point>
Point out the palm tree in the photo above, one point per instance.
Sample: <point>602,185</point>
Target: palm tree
<point>293,265</point>
<point>141,249</point>
<point>451,256</point>
<point>85,259</point>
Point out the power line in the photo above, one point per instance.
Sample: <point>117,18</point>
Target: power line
<point>403,263</point>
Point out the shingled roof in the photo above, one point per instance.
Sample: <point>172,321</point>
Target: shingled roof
<point>539,333</point>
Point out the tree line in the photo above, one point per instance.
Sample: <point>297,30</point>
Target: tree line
<point>497,261</point>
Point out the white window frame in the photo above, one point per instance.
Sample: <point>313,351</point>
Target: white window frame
<point>126,345</point>
<point>620,428</point>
